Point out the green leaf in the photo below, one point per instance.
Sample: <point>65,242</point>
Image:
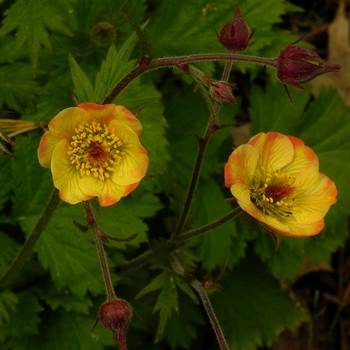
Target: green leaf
<point>9,250</point>
<point>181,329</point>
<point>31,183</point>
<point>167,300</point>
<point>115,66</point>
<point>83,89</point>
<point>8,303</point>
<point>67,253</point>
<point>25,318</point>
<point>5,180</point>
<point>64,298</point>
<point>32,20</point>
<point>126,218</point>
<point>18,89</point>
<point>65,330</point>
<point>223,245</point>
<point>193,28</point>
<point>252,308</point>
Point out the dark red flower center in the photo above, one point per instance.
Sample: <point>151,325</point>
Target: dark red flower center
<point>277,192</point>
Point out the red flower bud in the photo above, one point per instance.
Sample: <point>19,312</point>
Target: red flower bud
<point>115,315</point>
<point>221,91</point>
<point>297,65</point>
<point>236,34</point>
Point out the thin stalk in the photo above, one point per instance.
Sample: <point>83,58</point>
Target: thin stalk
<point>203,143</point>
<point>178,60</point>
<point>27,248</point>
<point>91,221</point>
<point>202,147</point>
<point>203,229</point>
<point>203,295</point>
<point>145,257</point>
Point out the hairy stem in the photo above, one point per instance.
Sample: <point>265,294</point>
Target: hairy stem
<point>220,337</point>
<point>91,221</point>
<point>178,60</point>
<point>27,248</point>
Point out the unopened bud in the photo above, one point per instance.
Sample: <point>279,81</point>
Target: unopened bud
<point>115,315</point>
<point>221,91</point>
<point>297,65</point>
<point>236,34</point>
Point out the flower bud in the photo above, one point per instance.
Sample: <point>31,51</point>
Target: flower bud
<point>221,91</point>
<point>297,65</point>
<point>115,315</point>
<point>235,35</point>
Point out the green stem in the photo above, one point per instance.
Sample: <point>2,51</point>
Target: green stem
<point>26,250</point>
<point>91,221</point>
<point>167,62</point>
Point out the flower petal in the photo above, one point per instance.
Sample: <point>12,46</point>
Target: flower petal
<point>275,150</point>
<point>305,159</point>
<point>241,165</point>
<point>110,193</point>
<point>134,163</point>
<point>63,125</point>
<point>47,144</point>
<point>303,230</point>
<point>110,112</point>
<point>65,177</point>
<point>312,202</point>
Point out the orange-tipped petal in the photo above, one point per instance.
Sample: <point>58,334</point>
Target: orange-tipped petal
<point>313,202</point>
<point>110,193</point>
<point>241,165</point>
<point>275,150</point>
<point>47,144</point>
<point>305,159</point>
<point>63,125</point>
<point>110,112</point>
<point>133,165</point>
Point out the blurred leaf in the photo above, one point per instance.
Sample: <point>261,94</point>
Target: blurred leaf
<point>31,183</point>
<point>252,307</point>
<point>64,330</point>
<point>181,329</point>
<point>9,250</point>
<point>32,20</point>
<point>18,89</point>
<point>5,180</point>
<point>64,298</point>
<point>8,303</point>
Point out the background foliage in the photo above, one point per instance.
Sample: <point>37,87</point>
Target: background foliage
<point>56,53</point>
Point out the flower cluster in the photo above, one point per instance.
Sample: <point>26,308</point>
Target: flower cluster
<point>94,151</point>
<point>275,178</point>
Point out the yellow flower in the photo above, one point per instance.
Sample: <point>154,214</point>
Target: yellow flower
<point>275,179</point>
<point>94,150</point>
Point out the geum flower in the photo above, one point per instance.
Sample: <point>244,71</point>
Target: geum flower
<point>94,150</point>
<point>276,179</point>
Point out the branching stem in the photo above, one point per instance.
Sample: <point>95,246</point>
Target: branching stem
<point>167,62</point>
